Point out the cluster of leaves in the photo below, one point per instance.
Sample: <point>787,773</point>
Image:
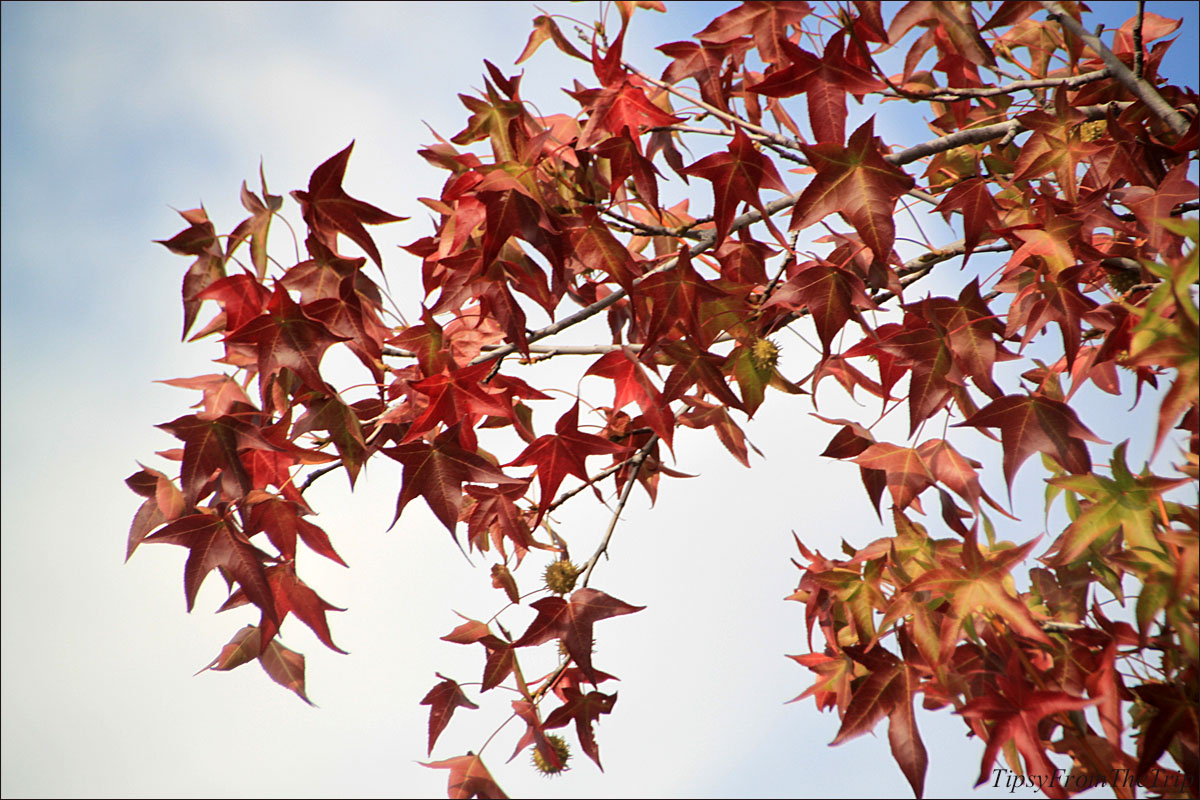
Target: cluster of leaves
<point>1066,153</point>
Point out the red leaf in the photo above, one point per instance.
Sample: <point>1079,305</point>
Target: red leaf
<point>437,473</point>
<point>978,208</point>
<point>736,176</point>
<point>625,159</point>
<point>198,239</point>
<point>1036,423</point>
<point>281,521</point>
<point>285,337</point>
<point>209,447</point>
<point>469,778</point>
<point>831,295</point>
<point>825,80</point>
<point>458,398</point>
<point>632,384</point>
<point>560,454</point>
<point>293,596</point>
<point>616,108</point>
<point>214,544</point>
<point>545,28</point>
<point>328,210</point>
<point>766,22</point>
<point>496,513</point>
<point>1015,711</point>
<point>245,646</point>
<point>907,473</point>
<point>286,667</point>
<point>443,699</point>
<point>571,622</point>
<point>585,709</point>
<point>675,297</point>
<point>858,183</point>
<point>256,226</point>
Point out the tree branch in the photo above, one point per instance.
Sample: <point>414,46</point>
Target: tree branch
<point>1138,57</point>
<point>312,476</point>
<point>636,465</point>
<point>1141,88</point>
<point>641,228</point>
<point>949,93</point>
<point>983,133</point>
<point>599,476</point>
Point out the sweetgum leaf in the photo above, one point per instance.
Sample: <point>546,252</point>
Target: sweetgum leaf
<point>286,667</point>
<point>560,454</point>
<point>856,182</point>
<point>584,709</point>
<point>437,472</point>
<point>328,210</point>
<point>1035,423</point>
<point>212,543</point>
<point>442,700</point>
<point>469,778</point>
<point>571,622</point>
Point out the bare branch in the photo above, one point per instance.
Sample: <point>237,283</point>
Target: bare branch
<point>643,229</point>
<point>312,476</point>
<point>1138,56</point>
<point>635,466</point>
<point>983,133</point>
<point>599,476</point>
<point>949,94</point>
<point>1140,88</point>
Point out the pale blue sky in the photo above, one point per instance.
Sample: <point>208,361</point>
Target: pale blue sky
<point>114,114</point>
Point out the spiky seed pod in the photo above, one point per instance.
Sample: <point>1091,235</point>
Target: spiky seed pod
<point>561,749</point>
<point>1091,131</point>
<point>1122,280</point>
<point>764,354</point>
<point>560,576</point>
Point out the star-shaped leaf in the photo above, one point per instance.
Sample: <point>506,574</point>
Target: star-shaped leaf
<point>212,543</point>
<point>1036,423</point>
<point>736,176</point>
<point>443,699</point>
<point>585,709</point>
<point>328,210</point>
<point>437,472</point>
<point>856,182</point>
<point>285,337</point>
<point>571,621</point>
<point>1015,710</point>
<point>560,454</point>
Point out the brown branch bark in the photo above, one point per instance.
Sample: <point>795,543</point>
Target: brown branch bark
<point>1141,88</point>
<point>635,466</point>
<point>949,94</point>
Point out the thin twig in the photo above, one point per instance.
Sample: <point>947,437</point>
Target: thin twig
<point>650,230</point>
<point>733,119</point>
<point>787,259</point>
<point>1140,88</point>
<point>635,466</point>
<point>599,476</point>
<point>312,476</point>
<point>1138,57</point>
